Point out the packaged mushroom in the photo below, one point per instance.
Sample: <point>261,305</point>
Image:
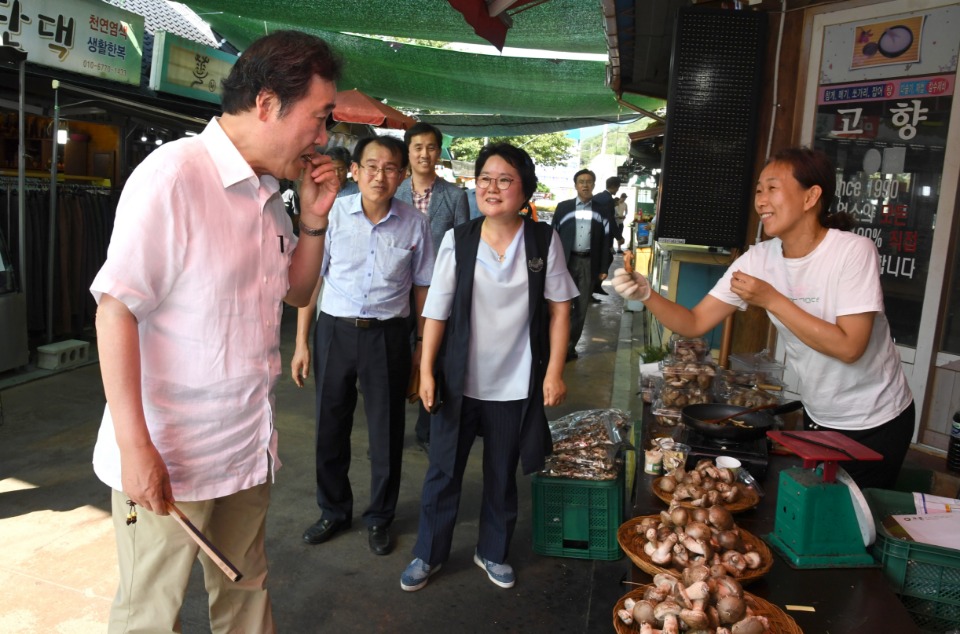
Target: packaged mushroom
<point>679,397</point>
<point>748,396</point>
<point>688,373</point>
<point>688,349</point>
<point>587,445</point>
<point>667,416</point>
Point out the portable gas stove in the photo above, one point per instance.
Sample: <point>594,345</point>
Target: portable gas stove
<point>752,454</point>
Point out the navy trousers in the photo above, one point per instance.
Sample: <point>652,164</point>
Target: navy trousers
<point>499,424</point>
<point>891,439</point>
<point>380,358</point>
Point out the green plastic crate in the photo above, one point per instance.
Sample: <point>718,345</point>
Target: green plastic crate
<point>577,518</point>
<point>926,577</point>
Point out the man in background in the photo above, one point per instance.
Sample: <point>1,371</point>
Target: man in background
<point>340,156</point>
<point>605,203</point>
<point>188,329</point>
<point>443,203</point>
<point>585,232</point>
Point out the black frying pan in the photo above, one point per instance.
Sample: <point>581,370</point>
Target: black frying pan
<point>757,422</point>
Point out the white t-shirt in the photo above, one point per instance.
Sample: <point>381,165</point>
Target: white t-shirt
<point>840,277</point>
<point>498,356</point>
<point>199,254</point>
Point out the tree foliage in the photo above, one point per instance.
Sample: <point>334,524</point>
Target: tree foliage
<point>547,150</point>
<point>617,141</point>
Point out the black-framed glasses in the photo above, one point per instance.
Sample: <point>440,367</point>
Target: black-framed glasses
<point>504,182</point>
<point>372,170</point>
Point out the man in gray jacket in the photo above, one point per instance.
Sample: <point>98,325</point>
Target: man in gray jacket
<point>444,203</point>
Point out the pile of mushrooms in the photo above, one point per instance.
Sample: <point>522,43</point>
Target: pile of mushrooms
<point>697,603</point>
<point>682,537</point>
<point>705,486</point>
<point>688,374</point>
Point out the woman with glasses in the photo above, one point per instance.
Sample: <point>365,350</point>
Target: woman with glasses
<point>497,319</point>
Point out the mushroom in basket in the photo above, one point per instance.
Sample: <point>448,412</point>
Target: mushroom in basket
<point>699,601</point>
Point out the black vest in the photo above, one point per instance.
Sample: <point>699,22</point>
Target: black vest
<point>534,432</point>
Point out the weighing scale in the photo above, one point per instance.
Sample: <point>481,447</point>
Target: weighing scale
<point>822,519</point>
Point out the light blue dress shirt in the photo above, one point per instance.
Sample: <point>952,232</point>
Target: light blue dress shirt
<point>368,268</point>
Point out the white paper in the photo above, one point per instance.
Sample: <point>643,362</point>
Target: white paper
<point>928,504</point>
<point>941,529</point>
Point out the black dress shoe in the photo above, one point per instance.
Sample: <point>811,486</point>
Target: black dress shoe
<point>424,444</point>
<point>323,530</point>
<point>379,540</point>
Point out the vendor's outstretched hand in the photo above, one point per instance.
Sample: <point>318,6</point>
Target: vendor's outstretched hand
<point>631,285</point>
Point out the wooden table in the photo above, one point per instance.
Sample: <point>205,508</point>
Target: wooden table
<point>846,600</point>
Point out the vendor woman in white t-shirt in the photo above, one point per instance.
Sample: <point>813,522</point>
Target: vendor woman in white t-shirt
<point>820,286</point>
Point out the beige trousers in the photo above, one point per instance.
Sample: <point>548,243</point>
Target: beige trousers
<point>156,554</point>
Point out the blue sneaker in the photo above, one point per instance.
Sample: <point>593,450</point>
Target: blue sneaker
<point>500,574</point>
<point>416,575</point>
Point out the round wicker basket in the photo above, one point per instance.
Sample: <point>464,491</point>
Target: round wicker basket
<point>749,500</point>
<point>780,621</point>
<point>632,543</point>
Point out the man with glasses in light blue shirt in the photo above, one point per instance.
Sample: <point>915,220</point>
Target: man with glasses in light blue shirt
<point>377,249</point>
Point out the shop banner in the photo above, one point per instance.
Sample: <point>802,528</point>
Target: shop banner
<point>188,69</point>
<point>82,36</point>
<point>883,112</point>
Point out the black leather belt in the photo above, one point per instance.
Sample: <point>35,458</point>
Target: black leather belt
<point>358,322</point>
<point>582,254</point>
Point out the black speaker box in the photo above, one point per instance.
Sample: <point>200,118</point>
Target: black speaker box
<point>711,137</point>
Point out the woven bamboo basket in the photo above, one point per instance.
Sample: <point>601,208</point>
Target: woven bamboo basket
<point>780,621</point>
<point>632,543</point>
<point>749,500</point>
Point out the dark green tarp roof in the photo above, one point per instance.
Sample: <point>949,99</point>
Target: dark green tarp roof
<point>425,78</point>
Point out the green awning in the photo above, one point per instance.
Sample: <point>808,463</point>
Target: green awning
<point>423,78</point>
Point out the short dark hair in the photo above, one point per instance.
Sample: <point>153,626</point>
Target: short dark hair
<point>284,63</point>
<point>582,172</point>
<point>393,144</point>
<point>813,167</point>
<point>422,128</point>
<point>517,157</point>
<point>338,153</point>
<point>613,181</point>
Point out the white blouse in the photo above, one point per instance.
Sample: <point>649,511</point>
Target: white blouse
<point>498,356</point>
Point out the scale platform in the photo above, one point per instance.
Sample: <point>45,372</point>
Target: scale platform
<point>820,522</point>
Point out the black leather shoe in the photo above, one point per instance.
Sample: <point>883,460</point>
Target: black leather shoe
<point>379,539</point>
<point>424,444</point>
<point>323,530</point>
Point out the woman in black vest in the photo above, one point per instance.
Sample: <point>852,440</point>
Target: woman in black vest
<point>494,346</point>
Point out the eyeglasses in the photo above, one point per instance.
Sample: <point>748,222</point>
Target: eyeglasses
<point>483,182</point>
<point>372,170</point>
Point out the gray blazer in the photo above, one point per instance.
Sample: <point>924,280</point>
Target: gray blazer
<point>448,207</point>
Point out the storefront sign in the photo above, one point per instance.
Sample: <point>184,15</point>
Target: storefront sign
<point>187,68</point>
<point>83,36</point>
<point>887,42</point>
<point>886,130</point>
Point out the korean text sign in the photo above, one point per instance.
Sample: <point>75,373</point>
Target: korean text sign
<point>82,36</point>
